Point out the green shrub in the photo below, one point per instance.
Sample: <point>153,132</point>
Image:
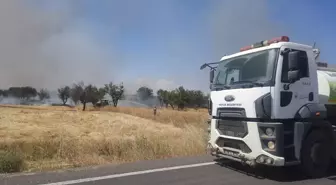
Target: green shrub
<point>10,162</point>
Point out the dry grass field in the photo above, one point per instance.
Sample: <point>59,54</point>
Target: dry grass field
<point>61,137</point>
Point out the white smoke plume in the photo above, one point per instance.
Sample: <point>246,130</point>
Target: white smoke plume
<point>235,24</point>
<point>54,48</point>
<point>47,48</point>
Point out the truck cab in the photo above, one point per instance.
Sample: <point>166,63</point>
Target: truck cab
<point>265,106</point>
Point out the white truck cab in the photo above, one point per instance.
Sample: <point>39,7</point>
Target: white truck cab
<point>272,104</point>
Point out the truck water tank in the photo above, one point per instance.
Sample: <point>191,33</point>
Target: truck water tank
<point>327,86</point>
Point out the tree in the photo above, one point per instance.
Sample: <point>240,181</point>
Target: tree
<point>64,94</point>
<point>144,93</point>
<point>83,99</point>
<point>3,93</point>
<point>43,94</point>
<point>90,94</point>
<point>115,91</point>
<point>163,96</point>
<point>76,92</point>
<point>160,96</point>
<point>196,98</point>
<point>22,92</point>
<point>15,92</point>
<point>101,93</point>
<point>28,92</point>
<point>172,98</point>
<point>182,97</point>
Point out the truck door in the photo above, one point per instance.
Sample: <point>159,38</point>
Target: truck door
<point>289,98</point>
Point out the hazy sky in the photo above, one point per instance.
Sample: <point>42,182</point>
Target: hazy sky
<point>159,43</point>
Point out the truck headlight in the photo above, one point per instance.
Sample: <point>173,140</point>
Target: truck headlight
<point>272,138</point>
<point>271,145</point>
<point>269,131</point>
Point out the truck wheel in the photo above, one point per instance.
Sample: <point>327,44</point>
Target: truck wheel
<point>315,154</point>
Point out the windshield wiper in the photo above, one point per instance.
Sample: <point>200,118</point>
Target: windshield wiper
<point>221,86</point>
<point>259,84</point>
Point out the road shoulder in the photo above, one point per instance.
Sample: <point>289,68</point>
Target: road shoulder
<point>98,171</point>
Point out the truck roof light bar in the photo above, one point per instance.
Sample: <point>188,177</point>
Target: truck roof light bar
<point>266,43</point>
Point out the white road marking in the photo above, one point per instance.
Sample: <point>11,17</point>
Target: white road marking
<point>129,174</point>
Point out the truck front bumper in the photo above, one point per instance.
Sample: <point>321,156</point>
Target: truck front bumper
<point>251,160</point>
<point>254,152</point>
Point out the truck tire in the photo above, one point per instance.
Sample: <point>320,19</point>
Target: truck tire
<point>316,154</point>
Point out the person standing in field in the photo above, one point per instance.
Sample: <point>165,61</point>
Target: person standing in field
<point>154,110</point>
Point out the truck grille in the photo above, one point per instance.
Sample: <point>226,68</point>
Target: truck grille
<point>229,127</point>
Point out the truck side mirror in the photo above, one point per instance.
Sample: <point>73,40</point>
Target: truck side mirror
<point>293,76</point>
<point>293,66</point>
<point>212,75</point>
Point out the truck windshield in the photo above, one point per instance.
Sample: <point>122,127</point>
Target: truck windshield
<point>254,69</point>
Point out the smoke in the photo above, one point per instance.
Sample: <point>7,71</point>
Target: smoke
<point>55,47</point>
<point>227,26</point>
<point>47,48</point>
<point>155,84</point>
<point>235,24</point>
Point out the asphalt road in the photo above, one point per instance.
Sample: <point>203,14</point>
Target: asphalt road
<point>178,171</point>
